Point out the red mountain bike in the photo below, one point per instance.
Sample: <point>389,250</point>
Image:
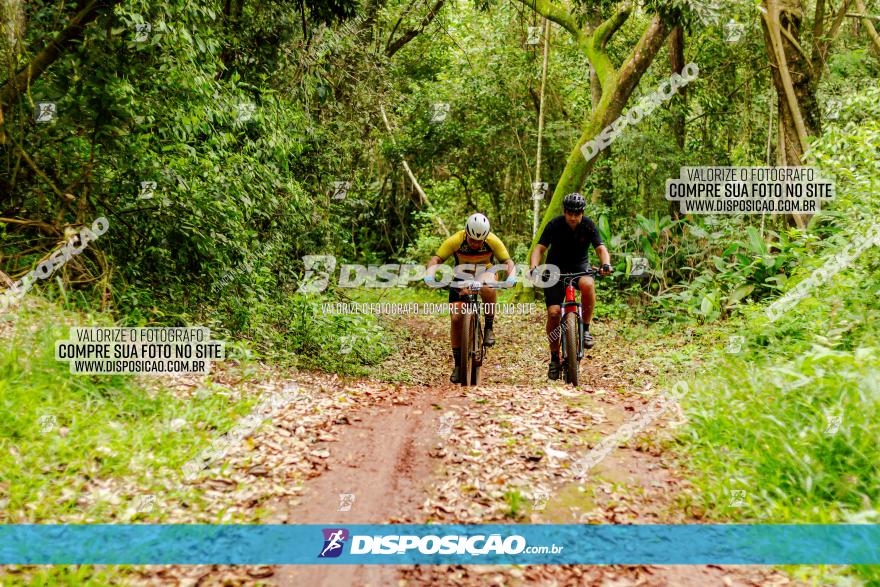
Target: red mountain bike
<point>572,326</point>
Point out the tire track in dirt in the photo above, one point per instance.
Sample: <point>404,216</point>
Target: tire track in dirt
<point>382,460</point>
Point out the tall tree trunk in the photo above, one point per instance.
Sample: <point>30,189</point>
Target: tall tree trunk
<point>792,76</point>
<point>617,84</point>
<point>676,63</point>
<point>794,82</point>
<point>536,203</point>
<point>602,191</point>
<point>679,102</point>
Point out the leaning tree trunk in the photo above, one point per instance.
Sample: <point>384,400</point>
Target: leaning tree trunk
<point>617,87</point>
<point>604,184</point>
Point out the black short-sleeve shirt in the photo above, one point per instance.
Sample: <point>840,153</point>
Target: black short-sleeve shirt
<point>570,249</point>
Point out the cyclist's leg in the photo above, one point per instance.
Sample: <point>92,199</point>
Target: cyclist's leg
<point>588,298</point>
<point>588,303</point>
<point>554,336</point>
<point>554,317</point>
<point>455,332</point>
<point>489,297</point>
<point>553,297</point>
<point>455,329</point>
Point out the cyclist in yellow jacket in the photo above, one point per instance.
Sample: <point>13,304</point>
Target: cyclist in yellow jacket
<point>478,246</point>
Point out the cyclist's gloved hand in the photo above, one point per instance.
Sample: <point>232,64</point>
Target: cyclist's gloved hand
<point>532,275</point>
<point>606,269</point>
<point>429,280</point>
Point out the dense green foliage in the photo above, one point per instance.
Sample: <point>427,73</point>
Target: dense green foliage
<point>244,144</point>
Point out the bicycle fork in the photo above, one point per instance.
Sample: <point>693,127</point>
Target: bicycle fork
<point>571,305</point>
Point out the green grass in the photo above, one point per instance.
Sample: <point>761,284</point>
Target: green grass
<point>303,333</point>
<point>800,437</point>
<point>66,576</point>
<point>60,434</point>
<point>793,420</point>
<point>516,504</point>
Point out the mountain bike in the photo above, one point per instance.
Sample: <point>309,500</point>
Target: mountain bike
<point>572,322</point>
<point>473,349</point>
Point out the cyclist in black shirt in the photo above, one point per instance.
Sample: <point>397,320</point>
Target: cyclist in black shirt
<point>569,237</point>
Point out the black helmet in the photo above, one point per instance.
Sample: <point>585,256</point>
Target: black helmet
<point>574,202</point>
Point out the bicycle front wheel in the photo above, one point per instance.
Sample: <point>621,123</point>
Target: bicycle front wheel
<point>572,333</point>
<point>468,327</point>
<point>479,352</point>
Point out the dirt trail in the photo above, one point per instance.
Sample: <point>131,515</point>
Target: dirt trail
<point>413,448</point>
<point>518,433</point>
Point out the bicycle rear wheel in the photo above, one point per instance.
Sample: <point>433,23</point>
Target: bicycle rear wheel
<point>572,332</point>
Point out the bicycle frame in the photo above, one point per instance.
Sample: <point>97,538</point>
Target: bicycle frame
<point>571,304</point>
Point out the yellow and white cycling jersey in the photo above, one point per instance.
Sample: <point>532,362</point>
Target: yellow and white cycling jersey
<point>457,246</point>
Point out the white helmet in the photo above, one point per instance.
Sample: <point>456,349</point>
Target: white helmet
<point>477,227</point>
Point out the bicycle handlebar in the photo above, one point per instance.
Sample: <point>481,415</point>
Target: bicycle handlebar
<point>476,284</point>
<point>591,272</point>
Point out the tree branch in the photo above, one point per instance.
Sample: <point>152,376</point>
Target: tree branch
<point>821,48</point>
<point>39,64</point>
<point>818,27</point>
<point>398,23</point>
<point>557,14</point>
<point>411,34</point>
<point>48,228</point>
<point>794,42</point>
<point>854,15</point>
<point>869,26</point>
<point>40,173</point>
<point>603,34</point>
<point>641,57</point>
<point>412,177</point>
<point>818,23</point>
<point>838,20</point>
<point>771,19</point>
<point>594,46</point>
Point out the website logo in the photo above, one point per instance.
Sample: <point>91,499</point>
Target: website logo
<point>334,540</point>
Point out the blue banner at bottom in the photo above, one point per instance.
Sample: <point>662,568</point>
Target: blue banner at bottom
<point>543,544</point>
